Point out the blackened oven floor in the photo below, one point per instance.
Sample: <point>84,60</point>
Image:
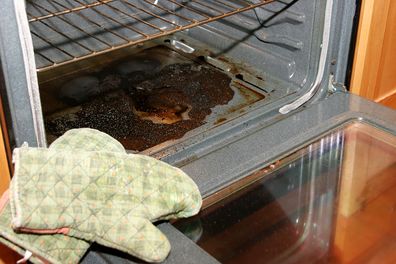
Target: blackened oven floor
<point>145,99</point>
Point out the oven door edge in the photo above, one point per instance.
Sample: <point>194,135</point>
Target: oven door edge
<point>20,92</point>
<point>215,170</point>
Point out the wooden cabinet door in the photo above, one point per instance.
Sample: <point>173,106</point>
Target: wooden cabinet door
<point>374,69</point>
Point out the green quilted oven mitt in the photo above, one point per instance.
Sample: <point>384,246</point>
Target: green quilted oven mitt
<point>107,197</point>
<point>55,248</point>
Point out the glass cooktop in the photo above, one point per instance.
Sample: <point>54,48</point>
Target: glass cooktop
<point>333,201</point>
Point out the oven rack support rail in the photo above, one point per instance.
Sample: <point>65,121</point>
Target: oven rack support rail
<point>71,30</point>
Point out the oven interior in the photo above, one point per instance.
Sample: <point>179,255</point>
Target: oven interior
<point>155,74</point>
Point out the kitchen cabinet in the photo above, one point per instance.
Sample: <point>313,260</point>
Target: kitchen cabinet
<point>374,68</point>
<point>4,169</point>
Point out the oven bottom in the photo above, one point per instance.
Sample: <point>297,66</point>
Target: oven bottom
<point>145,96</point>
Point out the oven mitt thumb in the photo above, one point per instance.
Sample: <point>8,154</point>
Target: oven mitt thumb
<point>107,197</point>
<point>55,248</point>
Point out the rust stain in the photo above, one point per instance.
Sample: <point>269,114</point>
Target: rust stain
<point>220,120</point>
<point>250,94</point>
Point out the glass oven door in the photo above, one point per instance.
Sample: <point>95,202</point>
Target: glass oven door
<point>332,201</point>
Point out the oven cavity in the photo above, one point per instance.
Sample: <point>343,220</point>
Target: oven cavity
<point>155,95</point>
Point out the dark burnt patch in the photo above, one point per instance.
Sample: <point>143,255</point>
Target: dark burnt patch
<point>150,107</point>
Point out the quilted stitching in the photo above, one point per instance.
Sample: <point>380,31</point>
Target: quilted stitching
<point>114,196</point>
<point>87,139</point>
<point>57,248</point>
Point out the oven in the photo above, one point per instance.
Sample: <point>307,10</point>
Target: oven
<point>225,90</point>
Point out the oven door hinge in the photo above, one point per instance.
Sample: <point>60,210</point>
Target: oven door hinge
<point>335,87</point>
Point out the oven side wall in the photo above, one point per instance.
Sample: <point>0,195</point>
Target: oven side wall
<point>19,89</point>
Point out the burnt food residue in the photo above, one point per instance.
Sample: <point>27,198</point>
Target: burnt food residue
<point>142,103</point>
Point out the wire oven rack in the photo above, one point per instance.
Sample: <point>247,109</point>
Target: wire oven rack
<point>68,30</point>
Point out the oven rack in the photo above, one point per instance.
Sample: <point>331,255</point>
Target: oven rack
<point>65,31</point>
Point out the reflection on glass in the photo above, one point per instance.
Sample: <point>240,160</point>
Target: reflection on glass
<point>333,201</point>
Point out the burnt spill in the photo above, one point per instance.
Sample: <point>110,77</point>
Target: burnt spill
<point>141,106</point>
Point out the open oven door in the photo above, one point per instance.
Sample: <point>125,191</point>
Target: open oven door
<point>281,194</point>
